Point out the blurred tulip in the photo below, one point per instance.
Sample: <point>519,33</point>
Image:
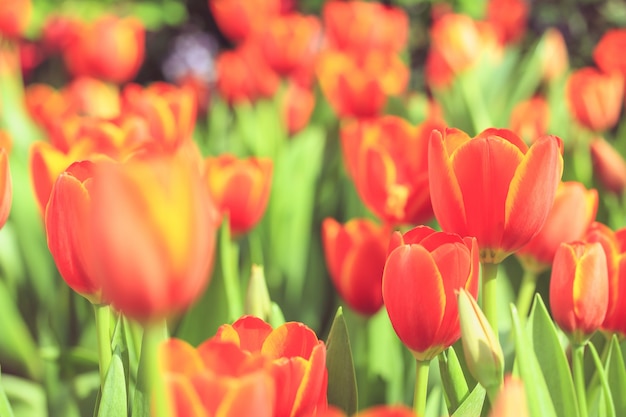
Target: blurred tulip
<point>243,75</point>
<point>482,350</point>
<point>511,401</point>
<point>595,99</point>
<point>110,48</point>
<point>509,17</point>
<point>608,53</point>
<point>239,19</point>
<point>530,118</point>
<point>579,289</point>
<point>14,17</point>
<point>609,166</point>
<point>358,27</point>
<point>68,229</point>
<point>240,188</point>
<point>493,187</point>
<point>457,39</point>
<point>572,213</point>
<point>290,43</point>
<point>6,187</point>
<point>355,255</point>
<point>360,88</point>
<point>46,105</point>
<point>554,55</point>
<point>298,361</point>
<point>424,268</point>
<point>387,160</point>
<point>93,97</point>
<point>296,107</point>
<point>156,227</point>
<point>437,72</point>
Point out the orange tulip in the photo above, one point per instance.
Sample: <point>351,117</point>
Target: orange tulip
<point>110,48</point>
<point>422,272</point>
<point>93,97</point>
<point>67,223</point>
<point>608,52</point>
<point>457,39</point>
<point>554,55</point>
<point>493,186</point>
<point>359,27</point>
<point>296,107</point>
<point>355,255</point>
<point>298,361</point>
<point>155,225</point>
<point>387,159</point>
<point>572,213</point>
<point>14,17</point>
<point>437,72</point>
<point>239,19</point>
<point>46,104</point>
<point>359,88</point>
<point>530,118</point>
<point>609,166</point>
<point>240,188</point>
<point>509,17</point>
<point>6,187</point>
<point>511,400</point>
<point>595,99</point>
<point>579,293</point>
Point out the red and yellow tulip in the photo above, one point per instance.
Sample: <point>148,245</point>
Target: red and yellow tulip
<point>493,186</point>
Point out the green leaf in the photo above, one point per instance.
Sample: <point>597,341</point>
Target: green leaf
<point>113,399</point>
<point>27,398</point>
<point>453,379</point>
<point>607,405</point>
<point>537,393</point>
<point>616,376</point>
<point>5,407</point>
<point>552,361</point>
<point>342,390</point>
<point>473,404</point>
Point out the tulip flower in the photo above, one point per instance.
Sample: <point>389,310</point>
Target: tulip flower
<point>110,48</point>
<point>358,27</point>
<point>298,361</point>
<point>509,17</point>
<point>14,17</point>
<point>579,289</point>
<point>511,401</point>
<point>594,98</point>
<point>387,159</point>
<point>608,54</point>
<point>493,187</point>
<point>239,19</point>
<point>482,350</point>
<point>422,271</point>
<point>355,255</point>
<point>457,38</point>
<point>240,188</point>
<point>530,118</point>
<point>296,107</point>
<point>155,225</point>
<point>609,166</point>
<point>554,55</point>
<point>68,229</point>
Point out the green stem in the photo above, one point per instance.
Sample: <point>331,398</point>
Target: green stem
<point>103,339</point>
<point>474,101</point>
<point>489,294</point>
<point>578,365</point>
<point>232,286</point>
<point>492,393</point>
<point>526,292</point>
<point>421,387</point>
<point>153,335</point>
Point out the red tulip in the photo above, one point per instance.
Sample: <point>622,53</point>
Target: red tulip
<point>571,215</point>
<point>296,107</point>
<point>579,288</point>
<point>68,229</point>
<point>155,228</point>
<point>595,99</point>
<point>509,17</point>
<point>240,187</point>
<point>387,159</point>
<point>608,52</point>
<point>14,17</point>
<point>423,270</point>
<point>493,187</point>
<point>608,165</point>
<point>239,19</point>
<point>355,255</point>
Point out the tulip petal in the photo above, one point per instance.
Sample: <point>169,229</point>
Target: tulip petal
<point>252,333</point>
<point>179,357</point>
<point>590,288</point>
<point>531,192</point>
<point>184,397</point>
<point>290,340</point>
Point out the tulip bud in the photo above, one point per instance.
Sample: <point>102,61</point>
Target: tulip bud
<point>511,401</point>
<point>258,302</point>
<point>609,165</point>
<point>482,351</point>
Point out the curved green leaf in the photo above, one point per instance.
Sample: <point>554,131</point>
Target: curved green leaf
<point>113,399</point>
<point>342,391</point>
<point>616,375</point>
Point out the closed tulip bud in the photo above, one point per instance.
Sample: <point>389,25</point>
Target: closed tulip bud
<point>154,228</point>
<point>240,188</point>
<point>608,52</point>
<point>423,270</point>
<point>554,56</point>
<point>482,350</point>
<point>457,38</point>
<point>511,401</point>
<point>493,187</point>
<point>579,289</point>
<point>509,17</point>
<point>258,302</point>
<point>609,166</point>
